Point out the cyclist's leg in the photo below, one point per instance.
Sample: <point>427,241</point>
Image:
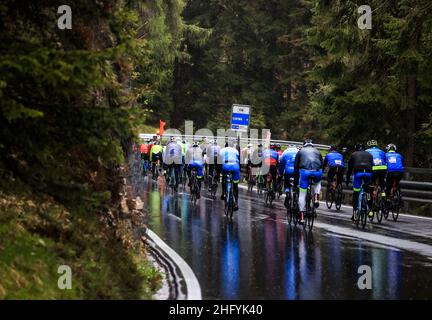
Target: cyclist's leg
<point>389,183</point>
<point>200,176</point>
<point>357,183</point>
<point>189,168</point>
<point>177,174</point>
<point>330,176</point>
<point>287,182</point>
<point>303,186</point>
<point>317,177</point>
<point>224,172</point>
<point>340,174</point>
<point>273,171</point>
<point>236,179</point>
<point>383,175</point>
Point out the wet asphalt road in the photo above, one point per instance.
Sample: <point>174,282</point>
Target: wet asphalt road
<point>260,256</point>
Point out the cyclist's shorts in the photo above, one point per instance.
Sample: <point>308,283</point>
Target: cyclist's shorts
<point>359,177</point>
<point>234,168</point>
<point>197,165</point>
<point>306,174</point>
<point>144,156</point>
<point>157,156</point>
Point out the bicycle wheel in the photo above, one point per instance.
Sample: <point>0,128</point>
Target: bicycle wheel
<point>329,198</point>
<point>356,217</point>
<point>396,204</point>
<point>380,206</point>
<point>363,212</point>
<point>339,197</point>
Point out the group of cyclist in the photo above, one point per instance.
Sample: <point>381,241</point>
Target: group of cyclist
<point>293,169</point>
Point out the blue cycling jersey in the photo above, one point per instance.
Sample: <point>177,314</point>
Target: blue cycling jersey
<point>287,161</point>
<point>230,155</point>
<point>270,156</point>
<point>394,162</point>
<point>379,158</point>
<point>334,159</point>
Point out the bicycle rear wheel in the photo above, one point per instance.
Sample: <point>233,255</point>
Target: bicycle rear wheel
<point>329,198</point>
<point>380,206</point>
<point>396,204</point>
<point>339,197</point>
<point>363,212</point>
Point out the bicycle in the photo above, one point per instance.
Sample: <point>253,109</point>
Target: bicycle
<point>360,215</point>
<point>394,202</point>
<point>194,186</point>
<point>157,169</point>
<point>291,204</point>
<point>145,164</point>
<point>334,194</point>
<point>214,184</point>
<point>270,194</point>
<point>378,203</point>
<point>260,184</point>
<point>230,201</point>
<point>250,179</point>
<point>279,187</point>
<point>310,208</point>
<point>172,178</point>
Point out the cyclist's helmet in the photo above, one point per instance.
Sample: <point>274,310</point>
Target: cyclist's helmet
<point>372,143</point>
<point>172,139</point>
<point>308,143</point>
<point>272,146</point>
<point>278,146</point>
<point>359,147</point>
<point>215,142</point>
<point>249,145</point>
<point>391,147</point>
<point>231,142</point>
<point>157,142</point>
<point>195,144</point>
<point>292,146</point>
<point>260,145</point>
<point>333,148</point>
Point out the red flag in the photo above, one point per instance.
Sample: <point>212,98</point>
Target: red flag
<point>161,127</point>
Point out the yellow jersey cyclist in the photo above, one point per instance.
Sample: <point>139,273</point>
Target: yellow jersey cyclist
<point>155,156</point>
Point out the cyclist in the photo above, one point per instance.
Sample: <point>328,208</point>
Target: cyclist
<point>286,167</point>
<point>278,149</point>
<point>230,158</point>
<point>155,155</point>
<point>194,160</point>
<point>271,160</point>
<point>246,158</point>
<point>308,164</point>
<point>360,163</point>
<point>144,151</point>
<point>395,168</point>
<point>173,159</point>
<point>336,164</point>
<point>379,168</point>
<point>214,162</point>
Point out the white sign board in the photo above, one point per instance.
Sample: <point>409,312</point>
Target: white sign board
<point>240,117</point>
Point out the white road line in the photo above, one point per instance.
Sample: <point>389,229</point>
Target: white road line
<point>421,248</point>
<point>192,284</point>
